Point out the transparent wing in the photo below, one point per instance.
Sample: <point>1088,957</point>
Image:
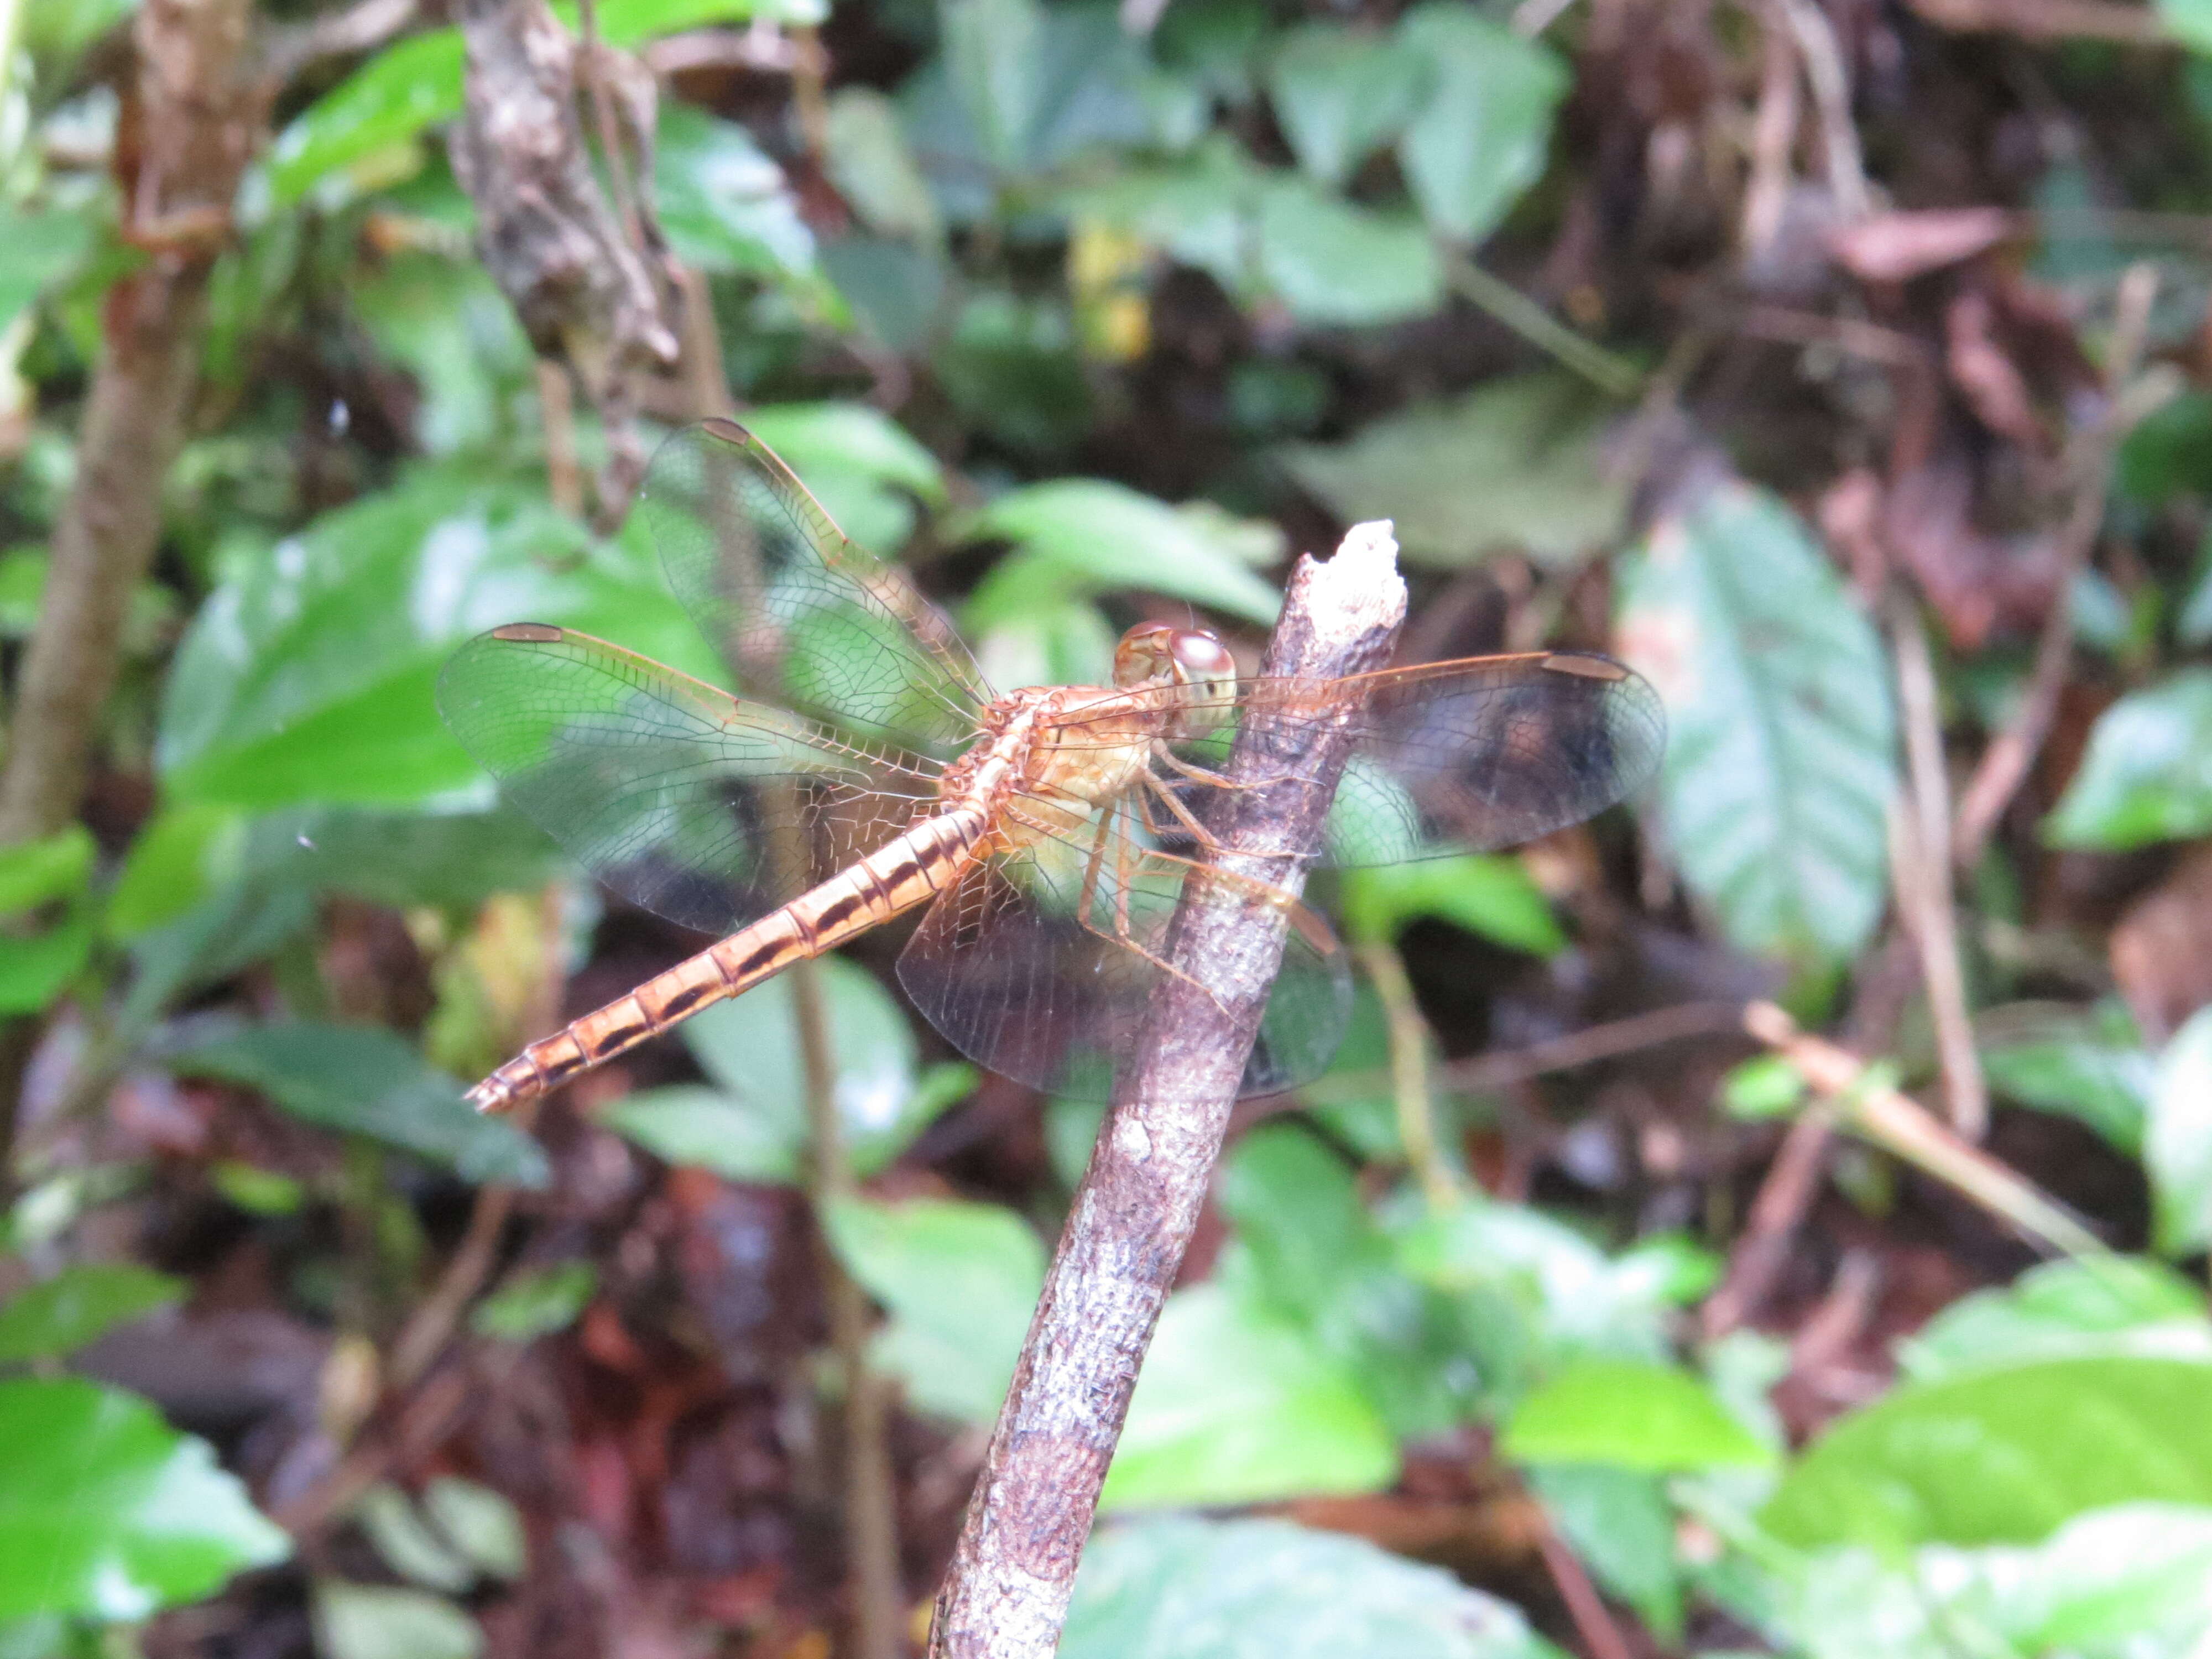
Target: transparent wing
<point>1445,757</point>
<point>1041,964</point>
<point>804,617</point>
<point>678,796</point>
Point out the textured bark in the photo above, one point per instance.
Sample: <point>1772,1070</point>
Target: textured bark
<point>193,121</point>
<point>1006,1594</point>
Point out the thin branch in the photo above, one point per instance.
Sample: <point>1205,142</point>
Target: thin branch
<point>362,28</point>
<point>1007,1593</point>
<point>1919,829</point>
<point>1593,1623</point>
<point>2048,20</point>
<point>1615,376</point>
<point>1878,1111</point>
<point>1832,97</point>
<point>2005,765</point>
<point>1756,1259</point>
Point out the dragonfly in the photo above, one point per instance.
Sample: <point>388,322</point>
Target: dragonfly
<point>864,769</point>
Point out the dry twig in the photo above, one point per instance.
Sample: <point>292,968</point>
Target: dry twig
<point>1007,1593</point>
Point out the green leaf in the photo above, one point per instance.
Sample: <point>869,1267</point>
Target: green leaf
<point>1338,265</point>
<point>2092,1067</point>
<point>2189,22</point>
<point>960,1281</point>
<point>1340,94</point>
<point>725,205</point>
<point>38,248</point>
<point>2177,1140</point>
<point>1618,1521</point>
<point>307,674</point>
<point>36,872</point>
<point>994,54</point>
<point>865,468</point>
<point>36,968</point>
<point>410,86</point>
<point>367,1621</point>
<point>1011,368</point>
<point>62,1314</point>
<point>1486,894</point>
<point>108,1513</point>
<point>1181,1588</point>
<point>2168,452</point>
<point>532,1305</point>
<point>1517,463</point>
<point>446,324</point>
<point>1480,137</point>
<point>874,168</point>
<point>1238,1405</point>
<point>258,1191</point>
<point>177,861</point>
<point>752,1126</point>
<point>2098,1305</point>
<point>483,1525</point>
<point>415,84</point>
<point>1781,763</point>
<point>2002,1455</point>
<point>1099,538</point>
<point>365,1080</point>
<point>2147,775</point>
<point>406,1542</point>
<point>59,30</point>
<point>1631,1416</point>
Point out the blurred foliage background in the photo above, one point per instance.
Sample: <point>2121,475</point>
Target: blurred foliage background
<point>1771,1219</point>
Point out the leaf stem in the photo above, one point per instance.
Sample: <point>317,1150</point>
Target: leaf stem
<point>1615,376</point>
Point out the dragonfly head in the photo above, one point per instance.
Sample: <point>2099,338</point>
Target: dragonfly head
<point>1161,654</point>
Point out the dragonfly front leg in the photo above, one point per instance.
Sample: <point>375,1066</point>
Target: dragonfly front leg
<point>1191,826</point>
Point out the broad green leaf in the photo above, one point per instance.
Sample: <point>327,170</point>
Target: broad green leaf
<point>865,468</point>
<point>2147,775</point>
<point>1335,264</point>
<point>37,249</point>
<point>258,1191</point>
<point>217,937</point>
<point>371,1621</point>
<point>2168,452</point>
<point>1481,136</point>
<point>415,84</point>
<point>2135,1579</point>
<point>1482,893</point>
<point>1182,1588</point>
<point>725,205</point>
<point>407,1543</point>
<point>994,54</point>
<point>1099,536</point>
<point>960,1281</point>
<point>1305,1249</point>
<point>874,169</point>
<point>365,1080</point>
<point>1201,211</point>
<point>1011,368</point>
<point>446,324</point>
<point>178,860</point>
<point>484,1526</point>
<point>532,1305</point>
<point>108,1513</point>
<point>1238,1405</point>
<point>58,29</point>
<point>2002,1455</point>
<point>1781,762</point>
<point>2092,1067</point>
<point>752,1126</point>
<point>2178,1141</point>
<point>59,1315</point>
<point>2097,1305</point>
<point>36,872</point>
<point>1517,463</point>
<point>308,673</point>
<point>1631,1415</point>
<point>2189,22</point>
<point>1341,94</point>
<point>36,968</point>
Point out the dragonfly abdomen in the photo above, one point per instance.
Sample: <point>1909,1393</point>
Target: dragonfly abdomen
<point>897,877</point>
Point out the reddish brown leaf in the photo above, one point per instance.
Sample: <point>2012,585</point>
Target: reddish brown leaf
<point>1892,247</point>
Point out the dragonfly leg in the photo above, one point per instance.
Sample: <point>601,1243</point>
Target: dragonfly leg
<point>1175,763</point>
<point>1197,831</point>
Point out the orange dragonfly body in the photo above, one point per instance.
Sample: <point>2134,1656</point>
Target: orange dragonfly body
<point>1051,831</point>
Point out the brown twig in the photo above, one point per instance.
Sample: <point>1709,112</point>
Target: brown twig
<point>2047,20</point>
<point>199,104</point>
<point>1919,829</point>
<point>1007,1593</point>
<point>2004,766</point>
<point>1831,82</point>
<point>1783,1197</point>
<point>1773,135</point>
<point>1877,1111</point>
<point>1593,1622</point>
